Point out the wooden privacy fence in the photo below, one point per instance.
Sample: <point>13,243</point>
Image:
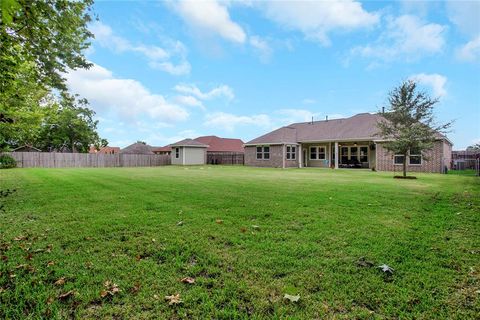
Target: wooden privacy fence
<point>225,158</point>
<point>66,160</point>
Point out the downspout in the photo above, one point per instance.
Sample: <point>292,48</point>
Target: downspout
<point>283,156</point>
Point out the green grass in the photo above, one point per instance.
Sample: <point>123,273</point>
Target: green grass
<point>296,231</point>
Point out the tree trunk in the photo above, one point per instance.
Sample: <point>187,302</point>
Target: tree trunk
<point>404,165</point>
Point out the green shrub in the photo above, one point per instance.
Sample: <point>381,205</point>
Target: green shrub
<point>7,161</point>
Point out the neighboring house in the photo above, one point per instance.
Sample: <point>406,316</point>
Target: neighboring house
<point>26,148</point>
<point>104,150</point>
<point>341,143</point>
<point>223,150</point>
<point>137,148</point>
<point>465,159</point>
<point>189,152</point>
<point>217,144</point>
<point>167,150</point>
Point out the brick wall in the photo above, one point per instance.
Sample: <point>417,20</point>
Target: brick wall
<point>433,164</point>
<point>275,161</point>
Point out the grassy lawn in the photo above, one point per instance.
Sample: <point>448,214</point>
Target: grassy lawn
<point>246,236</point>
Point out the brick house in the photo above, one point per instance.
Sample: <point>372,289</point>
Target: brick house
<point>341,143</point>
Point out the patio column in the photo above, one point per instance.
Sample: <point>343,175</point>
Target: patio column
<point>336,154</point>
<point>300,155</point>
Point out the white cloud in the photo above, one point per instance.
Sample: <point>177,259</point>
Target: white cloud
<point>189,101</point>
<point>126,97</point>
<point>435,81</point>
<point>174,69</point>
<point>159,58</point>
<point>405,36</point>
<point>212,17</point>
<point>229,122</point>
<point>261,47</point>
<point>465,15</point>
<point>318,18</point>
<point>470,51</point>
<point>309,101</point>
<point>222,90</point>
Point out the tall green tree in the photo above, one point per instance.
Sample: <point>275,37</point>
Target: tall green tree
<point>409,122</point>
<point>69,126</point>
<point>39,41</point>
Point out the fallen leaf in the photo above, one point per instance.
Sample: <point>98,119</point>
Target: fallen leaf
<point>60,281</point>
<point>66,295</point>
<point>255,227</point>
<point>38,250</point>
<point>29,256</point>
<point>291,298</point>
<point>21,266</point>
<point>153,240</point>
<point>50,263</point>
<point>180,223</point>
<point>111,289</point>
<point>243,229</point>
<point>387,269</point>
<point>4,258</point>
<point>173,299</point>
<point>188,280</point>
<point>20,238</point>
<point>219,221</point>
<point>362,262</point>
<point>135,288</point>
<point>138,257</point>
<point>49,248</point>
<point>50,300</point>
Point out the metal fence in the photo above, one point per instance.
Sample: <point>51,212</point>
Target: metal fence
<point>67,160</point>
<point>225,158</point>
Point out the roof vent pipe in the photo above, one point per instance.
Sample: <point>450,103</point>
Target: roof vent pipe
<point>326,118</point>
<point>312,119</point>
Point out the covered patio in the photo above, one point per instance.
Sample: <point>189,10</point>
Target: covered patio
<point>337,154</point>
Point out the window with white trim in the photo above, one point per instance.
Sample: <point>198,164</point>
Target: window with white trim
<point>415,157</point>
<point>177,153</point>
<point>398,159</point>
<point>263,153</point>
<point>291,152</point>
<point>318,153</point>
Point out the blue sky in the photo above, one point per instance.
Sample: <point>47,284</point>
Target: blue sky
<point>164,71</point>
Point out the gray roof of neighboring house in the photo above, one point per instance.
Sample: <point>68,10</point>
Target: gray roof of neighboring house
<point>137,148</point>
<point>362,126</point>
<point>189,143</point>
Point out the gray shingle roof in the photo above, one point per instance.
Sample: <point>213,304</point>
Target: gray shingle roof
<point>137,148</point>
<point>360,126</point>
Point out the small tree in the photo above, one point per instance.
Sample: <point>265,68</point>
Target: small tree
<point>409,122</point>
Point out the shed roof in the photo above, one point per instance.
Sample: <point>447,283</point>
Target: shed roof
<point>189,143</point>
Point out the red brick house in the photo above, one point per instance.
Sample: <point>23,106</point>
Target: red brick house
<point>104,150</point>
<point>341,143</point>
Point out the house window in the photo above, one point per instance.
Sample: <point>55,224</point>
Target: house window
<point>354,154</point>
<point>398,159</point>
<point>415,157</point>
<point>291,152</point>
<point>363,154</point>
<point>318,153</point>
<point>321,153</point>
<point>177,153</point>
<point>263,153</point>
<point>344,154</point>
